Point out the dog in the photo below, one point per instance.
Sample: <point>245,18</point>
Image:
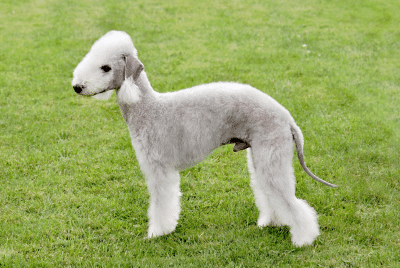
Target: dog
<point>176,130</point>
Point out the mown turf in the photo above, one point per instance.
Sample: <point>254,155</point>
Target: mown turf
<point>71,192</point>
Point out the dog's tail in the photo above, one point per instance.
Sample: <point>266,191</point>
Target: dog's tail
<point>298,140</point>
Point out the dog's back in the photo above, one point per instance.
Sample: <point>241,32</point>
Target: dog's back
<point>195,121</point>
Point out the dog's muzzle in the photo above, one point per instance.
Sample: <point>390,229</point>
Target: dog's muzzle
<point>78,88</point>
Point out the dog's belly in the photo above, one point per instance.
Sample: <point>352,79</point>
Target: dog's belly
<point>196,152</point>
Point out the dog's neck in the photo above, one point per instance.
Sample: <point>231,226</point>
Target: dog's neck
<point>134,94</point>
<point>143,83</point>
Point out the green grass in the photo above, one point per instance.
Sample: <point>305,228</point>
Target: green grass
<point>71,192</point>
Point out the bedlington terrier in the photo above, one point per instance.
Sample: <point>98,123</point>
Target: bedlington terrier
<point>176,130</point>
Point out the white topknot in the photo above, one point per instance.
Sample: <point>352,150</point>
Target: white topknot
<point>114,43</point>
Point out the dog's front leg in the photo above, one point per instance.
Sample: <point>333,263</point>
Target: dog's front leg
<point>164,207</point>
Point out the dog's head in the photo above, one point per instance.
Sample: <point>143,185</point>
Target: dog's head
<point>111,60</point>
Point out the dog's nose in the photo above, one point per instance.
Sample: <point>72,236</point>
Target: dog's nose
<point>78,88</point>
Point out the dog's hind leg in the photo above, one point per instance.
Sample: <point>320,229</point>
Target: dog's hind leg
<point>163,213</point>
<point>275,178</point>
<point>266,216</point>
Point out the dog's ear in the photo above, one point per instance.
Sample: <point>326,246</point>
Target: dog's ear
<point>133,67</point>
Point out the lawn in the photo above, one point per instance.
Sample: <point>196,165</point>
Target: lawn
<point>71,191</point>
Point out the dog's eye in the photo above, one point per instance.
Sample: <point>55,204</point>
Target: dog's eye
<point>106,68</point>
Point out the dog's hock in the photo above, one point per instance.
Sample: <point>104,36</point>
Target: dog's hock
<point>133,67</point>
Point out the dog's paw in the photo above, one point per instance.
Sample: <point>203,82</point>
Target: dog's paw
<point>263,221</point>
<point>266,220</point>
<point>304,239</point>
<point>155,231</point>
<point>305,236</point>
<point>152,234</point>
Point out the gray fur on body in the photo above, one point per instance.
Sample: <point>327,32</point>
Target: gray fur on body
<point>173,131</point>
<point>233,109</point>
